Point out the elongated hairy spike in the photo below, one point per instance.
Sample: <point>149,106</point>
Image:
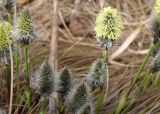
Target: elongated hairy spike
<point>24,31</point>
<point>156,62</point>
<point>97,74</point>
<point>78,97</point>
<point>86,109</point>
<point>64,82</point>
<point>42,80</point>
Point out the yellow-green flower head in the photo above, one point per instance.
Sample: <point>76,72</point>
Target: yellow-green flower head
<point>157,6</point>
<point>5,35</point>
<point>24,29</point>
<point>108,25</point>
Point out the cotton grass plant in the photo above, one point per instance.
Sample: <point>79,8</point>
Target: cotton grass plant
<point>42,82</point>
<point>24,35</point>
<point>75,97</point>
<point>108,28</point>
<point>6,37</point>
<point>153,51</point>
<point>156,34</point>
<point>78,97</point>
<point>64,82</point>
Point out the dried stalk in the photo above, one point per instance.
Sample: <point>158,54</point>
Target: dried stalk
<point>11,59</point>
<point>12,77</point>
<point>53,54</point>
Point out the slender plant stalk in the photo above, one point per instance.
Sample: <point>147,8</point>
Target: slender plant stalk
<point>8,76</point>
<point>12,79</point>
<point>146,79</point>
<point>53,102</point>
<point>28,97</point>
<point>26,63</point>
<point>27,91</point>
<point>15,12</point>
<point>157,80</point>
<point>100,100</point>
<point>17,63</point>
<point>17,72</point>
<point>130,105</point>
<point>134,80</point>
<point>43,105</point>
<point>122,101</point>
<point>105,57</point>
<point>103,90</point>
<point>143,65</point>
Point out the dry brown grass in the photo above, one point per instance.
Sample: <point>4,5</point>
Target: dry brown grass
<point>77,47</point>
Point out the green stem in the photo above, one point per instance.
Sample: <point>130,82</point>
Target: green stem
<point>134,80</point>
<point>28,97</point>
<point>26,63</point>
<point>105,56</point>
<point>129,105</point>
<point>43,101</point>
<point>100,100</point>
<point>8,74</point>
<point>17,63</point>
<point>28,91</point>
<point>122,102</point>
<point>157,80</point>
<point>146,79</point>
<point>17,72</point>
<point>143,65</point>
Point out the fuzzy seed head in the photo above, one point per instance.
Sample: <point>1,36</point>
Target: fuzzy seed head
<point>156,49</point>
<point>5,56</point>
<point>77,98</point>
<point>86,109</point>
<point>24,28</point>
<point>64,82</point>
<point>5,35</point>
<point>154,26</point>
<point>157,6</point>
<point>156,62</point>
<point>42,80</point>
<point>108,25</point>
<point>97,74</point>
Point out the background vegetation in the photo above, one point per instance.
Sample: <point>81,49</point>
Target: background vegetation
<point>78,48</point>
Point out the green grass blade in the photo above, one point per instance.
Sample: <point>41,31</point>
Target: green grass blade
<point>143,65</point>
<point>28,91</point>
<point>157,80</point>
<point>146,80</point>
<point>122,102</point>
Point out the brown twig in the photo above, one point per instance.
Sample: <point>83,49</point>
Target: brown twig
<point>11,89</point>
<point>53,53</point>
<point>11,59</point>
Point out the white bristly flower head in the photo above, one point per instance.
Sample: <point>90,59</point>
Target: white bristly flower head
<point>97,74</point>
<point>64,82</point>
<point>77,98</point>
<point>108,25</point>
<point>42,80</point>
